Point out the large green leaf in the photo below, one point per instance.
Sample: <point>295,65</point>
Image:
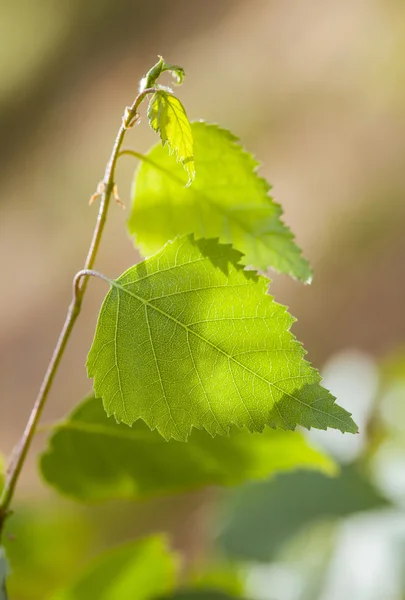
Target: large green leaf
<point>261,517</point>
<point>93,458</point>
<point>136,571</point>
<point>227,200</point>
<point>188,338</point>
<point>167,117</point>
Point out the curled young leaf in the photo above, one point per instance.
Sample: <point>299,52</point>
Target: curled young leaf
<point>188,338</point>
<point>151,77</point>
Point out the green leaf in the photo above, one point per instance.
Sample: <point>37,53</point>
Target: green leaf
<point>168,117</point>
<point>92,458</point>
<point>219,575</point>
<point>227,200</point>
<point>188,338</point>
<point>1,473</point>
<point>262,517</point>
<point>3,574</point>
<point>154,73</point>
<point>46,545</point>
<point>135,571</point>
<point>191,594</point>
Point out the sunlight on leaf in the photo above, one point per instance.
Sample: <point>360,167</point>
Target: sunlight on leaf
<point>139,570</point>
<point>188,338</point>
<point>227,200</point>
<point>167,117</point>
<point>92,458</point>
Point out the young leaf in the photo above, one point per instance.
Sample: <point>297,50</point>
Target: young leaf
<point>136,571</point>
<point>92,458</point>
<point>167,117</point>
<point>227,200</point>
<point>160,67</point>
<point>188,338</point>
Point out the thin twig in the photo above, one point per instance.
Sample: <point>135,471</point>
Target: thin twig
<point>80,285</point>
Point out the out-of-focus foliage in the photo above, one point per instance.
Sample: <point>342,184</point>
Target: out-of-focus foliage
<point>92,458</point>
<point>45,547</point>
<point>225,576</point>
<point>199,595</point>
<point>141,570</point>
<point>254,528</point>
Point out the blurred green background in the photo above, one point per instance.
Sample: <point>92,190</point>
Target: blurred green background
<point>316,89</point>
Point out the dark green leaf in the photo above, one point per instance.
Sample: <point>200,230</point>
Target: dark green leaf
<point>227,200</point>
<point>188,338</point>
<point>262,517</point>
<point>92,458</point>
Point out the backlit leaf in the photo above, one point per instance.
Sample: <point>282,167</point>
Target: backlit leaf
<point>136,571</point>
<point>188,338</point>
<point>227,200</point>
<point>92,458</point>
<point>168,117</point>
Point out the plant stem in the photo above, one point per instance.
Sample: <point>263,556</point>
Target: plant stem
<point>79,289</point>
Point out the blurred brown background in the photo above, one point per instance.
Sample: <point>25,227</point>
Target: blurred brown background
<point>315,88</point>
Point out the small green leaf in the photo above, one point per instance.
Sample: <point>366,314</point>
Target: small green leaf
<point>227,200</point>
<point>136,571</point>
<point>167,117</point>
<point>154,73</point>
<point>92,458</point>
<point>188,338</point>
